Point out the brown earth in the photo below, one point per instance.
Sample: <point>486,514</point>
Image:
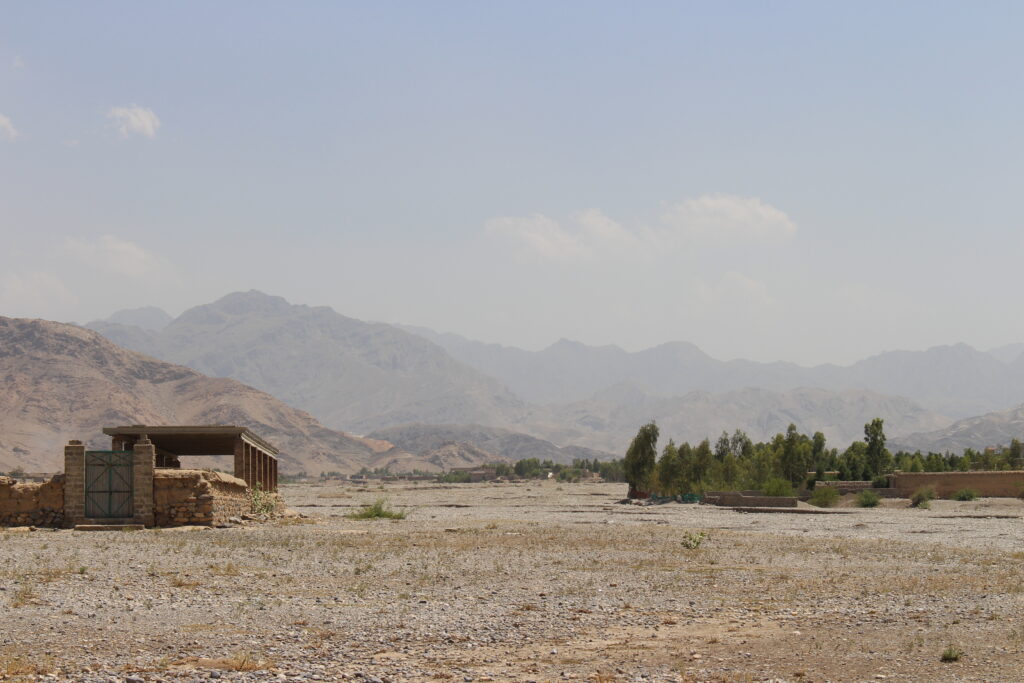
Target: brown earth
<point>537,581</point>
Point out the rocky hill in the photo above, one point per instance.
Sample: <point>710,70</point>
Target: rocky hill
<point>59,382</point>
<point>351,374</point>
<point>992,429</point>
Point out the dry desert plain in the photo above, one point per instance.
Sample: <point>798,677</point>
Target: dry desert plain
<point>530,581</point>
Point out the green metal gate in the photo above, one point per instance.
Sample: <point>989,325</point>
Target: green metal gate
<point>108,484</point>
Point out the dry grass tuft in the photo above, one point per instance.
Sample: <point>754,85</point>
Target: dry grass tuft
<point>24,595</point>
<point>179,581</point>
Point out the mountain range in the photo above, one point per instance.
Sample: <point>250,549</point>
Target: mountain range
<point>351,374</point>
<point>955,380</point>
<point>375,378</point>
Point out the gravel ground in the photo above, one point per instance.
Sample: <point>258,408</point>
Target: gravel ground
<point>537,582</point>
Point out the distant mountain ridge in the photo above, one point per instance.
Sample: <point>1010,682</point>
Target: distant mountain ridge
<point>427,440</point>
<point>59,382</point>
<point>954,380</point>
<point>351,374</point>
<point>978,432</point>
<point>610,419</point>
<point>369,377</point>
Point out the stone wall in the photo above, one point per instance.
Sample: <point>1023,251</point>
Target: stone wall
<point>35,504</point>
<point>995,484</point>
<point>197,497</point>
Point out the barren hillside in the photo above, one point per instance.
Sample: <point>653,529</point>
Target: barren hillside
<point>59,382</point>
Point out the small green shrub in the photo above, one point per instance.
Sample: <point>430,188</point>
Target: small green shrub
<point>777,486</point>
<point>868,499</point>
<point>952,654</point>
<point>261,502</point>
<point>880,482</point>
<point>923,495</point>
<point>376,510</point>
<point>824,497</point>
<point>966,494</point>
<point>925,505</point>
<point>693,539</point>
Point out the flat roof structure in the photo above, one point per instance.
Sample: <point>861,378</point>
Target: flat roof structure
<point>255,458</point>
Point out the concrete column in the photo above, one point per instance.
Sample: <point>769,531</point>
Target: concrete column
<point>143,466</point>
<point>74,483</point>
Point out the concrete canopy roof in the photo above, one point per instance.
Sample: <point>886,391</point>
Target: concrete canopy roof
<point>194,439</point>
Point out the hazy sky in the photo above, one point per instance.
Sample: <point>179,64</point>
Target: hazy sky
<point>771,180</point>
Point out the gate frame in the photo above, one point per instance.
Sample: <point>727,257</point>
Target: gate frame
<point>143,464</point>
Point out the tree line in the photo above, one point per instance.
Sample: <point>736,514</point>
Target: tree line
<point>735,462</point>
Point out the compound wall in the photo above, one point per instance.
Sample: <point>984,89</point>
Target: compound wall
<point>36,504</point>
<point>993,484</point>
<point>200,497</point>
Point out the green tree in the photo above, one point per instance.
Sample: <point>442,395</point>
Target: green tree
<point>670,471</point>
<point>701,463</point>
<point>723,447</point>
<point>1015,457</point>
<point>638,465</point>
<point>795,456</point>
<point>877,455</point>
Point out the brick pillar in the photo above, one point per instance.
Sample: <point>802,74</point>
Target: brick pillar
<point>247,467</point>
<point>143,464</point>
<point>74,483</point>
<point>258,478</point>
<point>240,459</point>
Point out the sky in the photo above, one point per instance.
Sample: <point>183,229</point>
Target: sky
<point>801,181</point>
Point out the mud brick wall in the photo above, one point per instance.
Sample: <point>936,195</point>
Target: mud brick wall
<point>846,486</point>
<point>36,504</point>
<point>741,499</point>
<point>198,497</point>
<point>994,484</point>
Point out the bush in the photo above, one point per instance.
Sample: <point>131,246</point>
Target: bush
<point>966,494</point>
<point>925,494</point>
<point>952,654</point>
<point>777,486</point>
<point>824,497</point>
<point>261,502</point>
<point>868,499</point>
<point>693,539</point>
<point>377,510</point>
<point>880,482</point>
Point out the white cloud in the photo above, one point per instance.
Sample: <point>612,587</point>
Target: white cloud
<point>7,128</point>
<point>113,254</point>
<point>709,220</point>
<point>134,120</point>
<point>724,219</point>
<point>590,234</point>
